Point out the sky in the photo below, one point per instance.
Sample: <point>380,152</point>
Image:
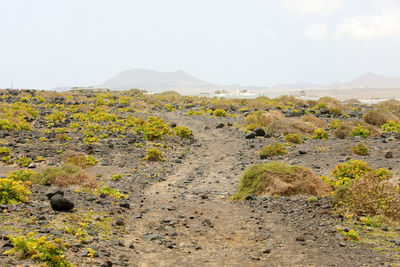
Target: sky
<point>49,43</point>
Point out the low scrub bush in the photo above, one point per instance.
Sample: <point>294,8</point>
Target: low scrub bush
<point>275,149</point>
<point>13,192</point>
<point>280,178</point>
<point>369,194</point>
<point>334,124</point>
<point>39,249</point>
<point>261,119</point>
<point>21,175</point>
<point>379,117</point>
<point>293,138</point>
<point>154,154</point>
<point>112,192</point>
<point>315,121</point>
<point>360,149</point>
<point>360,131</point>
<point>220,113</point>
<point>290,126</point>
<point>24,161</point>
<point>65,175</point>
<point>391,126</point>
<point>81,160</point>
<point>320,134</point>
<point>183,131</point>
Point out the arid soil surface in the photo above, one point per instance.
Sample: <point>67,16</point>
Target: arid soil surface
<point>185,217</point>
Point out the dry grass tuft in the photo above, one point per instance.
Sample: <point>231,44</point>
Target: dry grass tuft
<point>317,122</point>
<point>290,126</point>
<point>379,117</point>
<point>280,178</point>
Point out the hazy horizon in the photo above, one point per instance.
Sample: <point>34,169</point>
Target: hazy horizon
<point>48,44</point>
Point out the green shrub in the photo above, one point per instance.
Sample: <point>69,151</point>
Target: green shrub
<point>279,178</point>
<point>293,138</point>
<point>169,107</point>
<point>320,134</point>
<point>275,149</point>
<point>220,113</point>
<point>4,151</point>
<point>183,131</point>
<point>369,195</point>
<point>194,113</point>
<point>335,123</point>
<point>154,154</point>
<point>65,175</point>
<point>112,192</point>
<point>21,175</point>
<point>40,249</point>
<point>116,177</point>
<point>82,161</point>
<point>13,192</point>
<point>360,149</point>
<point>24,161</point>
<point>360,131</point>
<point>352,169</point>
<point>391,126</point>
<point>261,119</point>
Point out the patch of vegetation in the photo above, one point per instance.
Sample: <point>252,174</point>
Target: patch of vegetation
<point>13,192</point>
<point>313,120</point>
<point>279,178</point>
<point>293,138</point>
<point>391,127</point>
<point>220,113</point>
<point>65,175</point>
<point>21,175</point>
<point>40,249</point>
<point>360,131</point>
<point>275,149</point>
<point>183,131</point>
<point>261,119</point>
<point>289,126</point>
<point>116,177</point>
<point>112,192</point>
<point>379,117</point>
<point>320,134</point>
<point>154,154</point>
<point>82,161</point>
<point>349,234</point>
<point>24,161</point>
<point>4,151</point>
<point>335,124</point>
<point>360,149</point>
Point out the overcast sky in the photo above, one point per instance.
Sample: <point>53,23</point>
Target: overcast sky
<point>50,43</point>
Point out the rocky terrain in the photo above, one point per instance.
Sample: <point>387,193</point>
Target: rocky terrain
<point>179,211</point>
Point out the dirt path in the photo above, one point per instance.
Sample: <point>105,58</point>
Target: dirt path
<point>189,220</point>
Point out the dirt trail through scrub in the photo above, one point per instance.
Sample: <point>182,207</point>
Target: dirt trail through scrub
<point>189,220</point>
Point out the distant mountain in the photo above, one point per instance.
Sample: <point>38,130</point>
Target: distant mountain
<point>372,80</point>
<point>186,84</point>
<point>156,81</point>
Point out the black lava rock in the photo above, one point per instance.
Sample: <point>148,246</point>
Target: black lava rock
<point>59,203</point>
<point>259,132</point>
<point>251,135</point>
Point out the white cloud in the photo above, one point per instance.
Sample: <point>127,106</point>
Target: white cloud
<point>369,27</point>
<point>322,7</point>
<point>267,32</point>
<point>317,32</point>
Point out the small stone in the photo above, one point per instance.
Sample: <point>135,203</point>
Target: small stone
<point>119,222</point>
<point>389,155</point>
<point>251,136</point>
<point>32,166</point>
<point>125,205</point>
<point>54,191</point>
<point>220,125</point>
<point>300,238</point>
<point>107,264</point>
<point>302,152</point>
<point>385,228</point>
<point>103,195</point>
<point>267,251</point>
<point>259,132</point>
<point>342,244</point>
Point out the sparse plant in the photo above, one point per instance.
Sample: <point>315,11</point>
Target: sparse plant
<point>391,126</point>
<point>13,191</point>
<point>360,149</point>
<point>24,161</point>
<point>154,154</point>
<point>293,138</point>
<point>335,123</point>
<point>183,131</point>
<point>116,177</point>
<point>40,249</point>
<point>275,149</point>
<point>320,134</point>
<point>220,113</point>
<point>360,131</point>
